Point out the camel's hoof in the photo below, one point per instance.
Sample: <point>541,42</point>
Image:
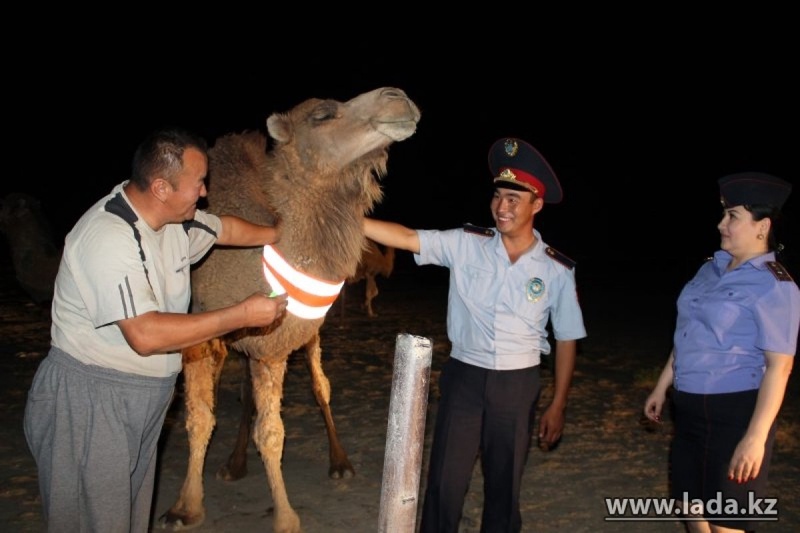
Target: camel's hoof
<point>176,522</point>
<point>344,471</point>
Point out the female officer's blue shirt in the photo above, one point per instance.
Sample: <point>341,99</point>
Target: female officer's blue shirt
<point>727,320</point>
<point>497,311</point>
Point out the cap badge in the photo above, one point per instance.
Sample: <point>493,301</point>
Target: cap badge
<point>534,290</point>
<point>511,147</point>
<point>506,174</point>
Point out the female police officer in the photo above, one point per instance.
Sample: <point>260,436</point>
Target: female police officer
<point>734,345</point>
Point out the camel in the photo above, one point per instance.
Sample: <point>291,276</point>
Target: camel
<point>34,253</point>
<point>373,261</point>
<point>319,179</point>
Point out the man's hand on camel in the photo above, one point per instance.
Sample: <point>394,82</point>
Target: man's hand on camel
<point>263,309</point>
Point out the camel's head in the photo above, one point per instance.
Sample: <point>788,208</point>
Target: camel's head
<point>328,136</point>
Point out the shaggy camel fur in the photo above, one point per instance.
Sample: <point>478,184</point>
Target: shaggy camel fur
<point>34,254</point>
<point>320,179</point>
<point>373,261</point>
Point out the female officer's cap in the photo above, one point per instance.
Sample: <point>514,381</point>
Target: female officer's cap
<point>753,188</point>
<point>515,164</point>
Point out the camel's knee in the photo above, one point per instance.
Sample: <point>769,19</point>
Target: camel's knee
<point>269,437</point>
<point>200,421</point>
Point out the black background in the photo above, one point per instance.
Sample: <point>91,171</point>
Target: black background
<point>639,114</point>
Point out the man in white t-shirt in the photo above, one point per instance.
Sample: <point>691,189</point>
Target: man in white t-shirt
<point>119,320</point>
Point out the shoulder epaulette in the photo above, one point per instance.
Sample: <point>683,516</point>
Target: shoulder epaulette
<point>472,228</point>
<point>779,271</point>
<point>561,258</point>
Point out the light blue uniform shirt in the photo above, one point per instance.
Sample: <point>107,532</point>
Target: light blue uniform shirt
<point>727,320</point>
<point>497,311</point>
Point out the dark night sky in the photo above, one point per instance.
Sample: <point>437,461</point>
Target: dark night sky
<point>638,132</point>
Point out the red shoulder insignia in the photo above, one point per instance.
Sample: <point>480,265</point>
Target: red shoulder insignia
<point>779,271</point>
<point>561,258</point>
<point>472,228</point>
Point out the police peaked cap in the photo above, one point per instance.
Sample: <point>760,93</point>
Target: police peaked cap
<point>515,164</point>
<point>753,188</point>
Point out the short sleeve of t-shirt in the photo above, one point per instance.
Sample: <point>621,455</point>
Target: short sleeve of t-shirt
<point>111,280</point>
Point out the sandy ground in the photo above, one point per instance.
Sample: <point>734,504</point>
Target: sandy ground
<point>606,451</point>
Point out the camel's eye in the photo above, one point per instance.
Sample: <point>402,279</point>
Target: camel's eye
<point>325,111</point>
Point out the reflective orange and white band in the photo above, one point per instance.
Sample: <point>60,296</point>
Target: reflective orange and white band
<point>309,297</point>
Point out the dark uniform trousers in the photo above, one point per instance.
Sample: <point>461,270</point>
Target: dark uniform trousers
<point>490,412</point>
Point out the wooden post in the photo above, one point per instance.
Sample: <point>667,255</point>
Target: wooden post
<point>405,436</point>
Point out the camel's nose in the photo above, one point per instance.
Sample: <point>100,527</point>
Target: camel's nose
<point>393,92</point>
<point>399,94</point>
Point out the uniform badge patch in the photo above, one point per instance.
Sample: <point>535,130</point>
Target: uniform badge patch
<point>535,289</point>
<point>511,147</point>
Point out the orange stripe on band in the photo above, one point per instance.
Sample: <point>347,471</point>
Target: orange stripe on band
<point>312,300</point>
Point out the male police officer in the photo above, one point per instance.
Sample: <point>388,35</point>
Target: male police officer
<point>505,285</point>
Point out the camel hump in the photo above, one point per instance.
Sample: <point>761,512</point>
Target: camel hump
<point>236,154</point>
<point>375,259</point>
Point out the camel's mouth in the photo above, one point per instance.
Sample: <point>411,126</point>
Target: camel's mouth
<point>397,130</point>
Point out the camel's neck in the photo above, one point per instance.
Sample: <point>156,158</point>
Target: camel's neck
<point>322,233</point>
<point>321,212</point>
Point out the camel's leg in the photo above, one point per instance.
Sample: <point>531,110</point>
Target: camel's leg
<point>268,436</point>
<point>340,466</point>
<point>201,370</point>
<point>236,467</point>
<point>371,292</point>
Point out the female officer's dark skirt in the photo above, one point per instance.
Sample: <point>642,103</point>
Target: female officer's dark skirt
<point>707,429</point>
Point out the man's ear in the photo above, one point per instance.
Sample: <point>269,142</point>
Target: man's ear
<point>160,188</point>
<point>538,204</point>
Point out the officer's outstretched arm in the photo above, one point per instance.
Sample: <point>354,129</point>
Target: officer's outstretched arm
<point>392,234</point>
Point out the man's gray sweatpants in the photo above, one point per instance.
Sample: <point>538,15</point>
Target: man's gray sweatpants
<point>94,434</point>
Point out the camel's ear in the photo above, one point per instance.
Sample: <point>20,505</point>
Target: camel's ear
<point>279,127</point>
